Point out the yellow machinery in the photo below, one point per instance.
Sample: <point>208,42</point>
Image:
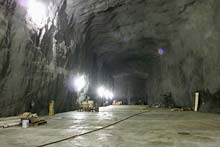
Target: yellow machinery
<point>51,108</point>
<point>88,106</point>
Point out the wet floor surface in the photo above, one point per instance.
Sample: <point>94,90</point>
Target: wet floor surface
<point>154,128</point>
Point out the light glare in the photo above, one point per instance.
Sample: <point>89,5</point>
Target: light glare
<point>103,92</point>
<point>79,83</point>
<point>161,51</point>
<point>108,94</point>
<point>37,13</point>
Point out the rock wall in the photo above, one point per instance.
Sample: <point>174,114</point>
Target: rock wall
<point>37,64</point>
<point>192,62</point>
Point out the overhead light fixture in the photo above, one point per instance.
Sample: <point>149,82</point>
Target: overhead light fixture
<point>104,93</point>
<point>101,91</point>
<point>79,83</point>
<point>108,94</point>
<point>37,12</point>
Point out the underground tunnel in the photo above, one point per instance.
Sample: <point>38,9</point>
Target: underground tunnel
<point>150,69</point>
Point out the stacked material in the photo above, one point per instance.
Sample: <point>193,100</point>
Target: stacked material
<point>16,121</point>
<point>33,118</point>
<point>9,122</point>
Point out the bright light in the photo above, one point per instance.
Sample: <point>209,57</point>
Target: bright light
<point>111,95</point>
<point>37,13</point>
<point>79,83</point>
<point>101,91</point>
<point>108,94</point>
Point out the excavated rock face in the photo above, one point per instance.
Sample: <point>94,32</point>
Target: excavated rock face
<point>141,48</point>
<point>191,63</point>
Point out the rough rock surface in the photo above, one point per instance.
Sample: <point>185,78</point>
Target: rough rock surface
<point>114,43</point>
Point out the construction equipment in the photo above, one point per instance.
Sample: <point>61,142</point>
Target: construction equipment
<point>88,106</point>
<point>117,102</point>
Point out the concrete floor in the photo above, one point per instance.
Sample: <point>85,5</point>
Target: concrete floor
<point>156,128</point>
